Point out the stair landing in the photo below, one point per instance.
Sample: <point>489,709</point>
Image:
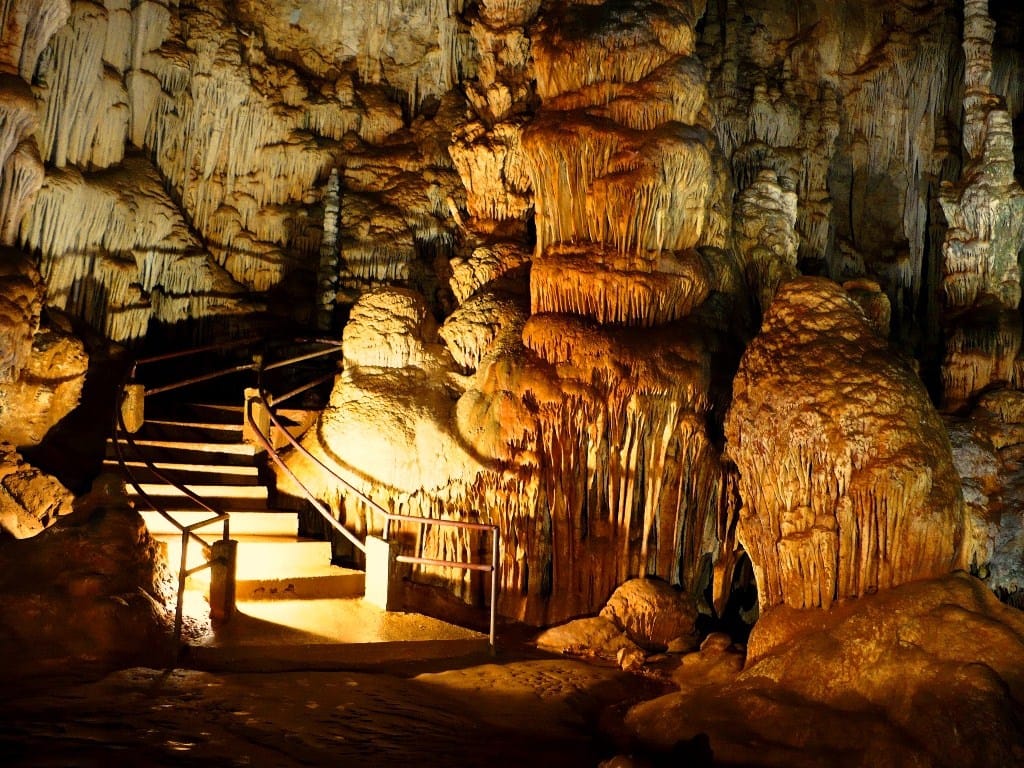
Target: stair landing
<point>327,634</point>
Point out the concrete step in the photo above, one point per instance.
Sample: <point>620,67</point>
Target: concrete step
<point>249,524</point>
<point>279,635</point>
<point>191,473</point>
<point>168,496</point>
<point>270,568</point>
<point>187,446</point>
<point>238,492</point>
<point>198,431</point>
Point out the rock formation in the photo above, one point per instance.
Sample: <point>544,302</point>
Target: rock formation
<point>981,249</point>
<point>841,683</point>
<point>91,589</point>
<point>30,500</point>
<point>846,471</point>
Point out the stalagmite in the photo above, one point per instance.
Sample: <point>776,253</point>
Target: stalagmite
<point>846,473</point>
<point>765,236</point>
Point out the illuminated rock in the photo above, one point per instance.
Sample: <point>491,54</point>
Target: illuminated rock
<point>45,390</point>
<point>652,614</point>
<point>846,473</point>
<point>492,167</point>
<point>413,47</point>
<point>30,500</point>
<point>875,681</point>
<point>21,295</point>
<point>615,288</point>
<point>765,236</point>
<point>117,252</point>
<point>485,264</point>
<point>637,191</point>
<point>25,28</point>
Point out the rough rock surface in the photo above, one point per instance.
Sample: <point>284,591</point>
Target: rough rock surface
<point>596,637</point>
<point>988,449</point>
<point>846,471</point>
<point>875,681</point>
<point>91,588</point>
<point>652,613</point>
<point>46,389</point>
<point>21,298</point>
<point>30,500</point>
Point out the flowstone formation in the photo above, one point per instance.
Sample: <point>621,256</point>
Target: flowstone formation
<point>853,106</point>
<point>982,247</point>
<point>924,674</point>
<point>846,471</point>
<point>586,409</point>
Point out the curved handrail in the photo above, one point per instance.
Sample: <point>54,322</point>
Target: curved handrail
<point>389,517</point>
<point>188,532</point>
<point>259,367</point>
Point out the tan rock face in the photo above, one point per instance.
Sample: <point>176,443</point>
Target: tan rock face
<point>20,305</point>
<point>876,681</point>
<point>46,390</point>
<point>652,613</point>
<point>30,500</point>
<point>91,588</point>
<point>846,473</point>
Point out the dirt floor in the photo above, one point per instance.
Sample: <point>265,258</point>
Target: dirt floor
<point>507,712</point>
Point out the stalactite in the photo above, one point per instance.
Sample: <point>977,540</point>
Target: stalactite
<point>985,212</point>
<point>116,251</point>
<point>25,28</point>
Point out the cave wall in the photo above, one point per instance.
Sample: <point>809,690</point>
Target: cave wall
<point>596,202</point>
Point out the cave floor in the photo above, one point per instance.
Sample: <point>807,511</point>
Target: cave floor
<point>514,709</point>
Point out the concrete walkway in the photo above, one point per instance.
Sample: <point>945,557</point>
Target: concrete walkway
<point>271,635</point>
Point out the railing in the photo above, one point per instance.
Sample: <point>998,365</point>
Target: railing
<point>188,532</point>
<point>389,517</point>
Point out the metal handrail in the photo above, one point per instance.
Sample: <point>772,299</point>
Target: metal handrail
<point>389,517</point>
<point>188,532</point>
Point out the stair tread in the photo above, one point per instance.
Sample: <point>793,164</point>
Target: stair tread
<point>213,469</point>
<point>211,425</point>
<point>216,491</point>
<point>239,449</point>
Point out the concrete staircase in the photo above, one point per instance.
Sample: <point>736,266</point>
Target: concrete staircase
<point>201,446</point>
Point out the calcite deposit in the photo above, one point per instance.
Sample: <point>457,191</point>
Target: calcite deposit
<point>30,500</point>
<point>878,681</point>
<point>671,292</point>
<point>846,471</point>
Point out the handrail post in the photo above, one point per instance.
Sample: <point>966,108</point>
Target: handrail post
<point>182,576</point>
<point>223,565</point>
<point>495,549</point>
<point>256,417</point>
